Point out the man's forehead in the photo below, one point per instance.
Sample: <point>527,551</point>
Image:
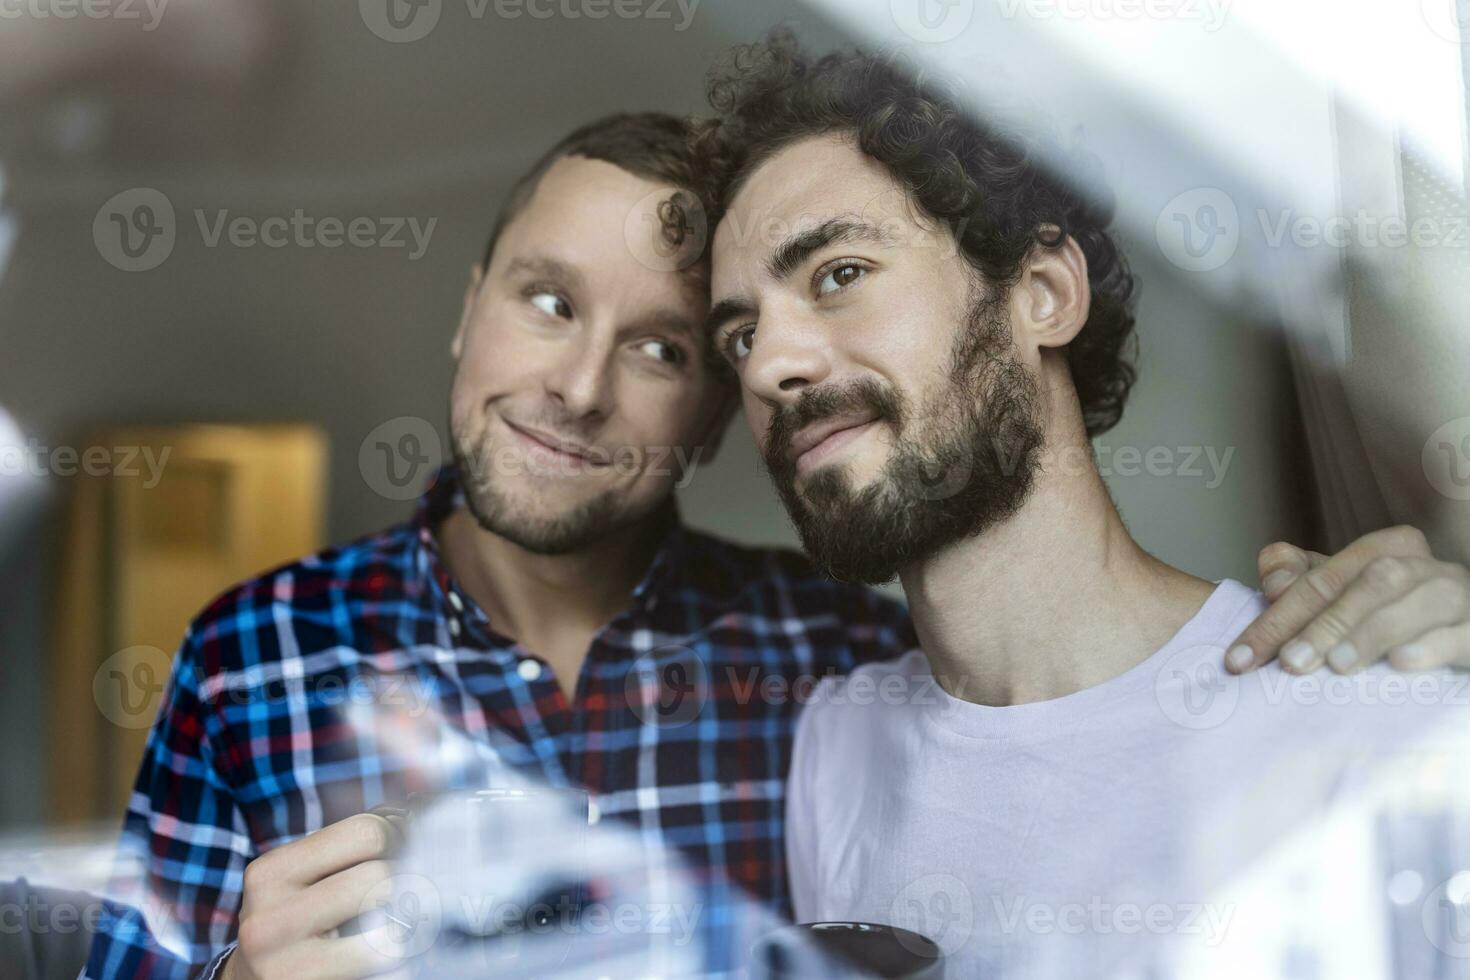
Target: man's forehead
<point>810,181</point>
<point>817,182</point>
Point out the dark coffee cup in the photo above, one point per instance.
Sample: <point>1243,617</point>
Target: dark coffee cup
<point>847,950</point>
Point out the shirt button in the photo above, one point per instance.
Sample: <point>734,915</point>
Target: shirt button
<point>454,627</point>
<point>456,602</point>
<point>529,670</point>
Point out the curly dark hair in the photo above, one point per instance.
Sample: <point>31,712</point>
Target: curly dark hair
<point>990,186</point>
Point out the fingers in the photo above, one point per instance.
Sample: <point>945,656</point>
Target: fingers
<point>1394,601</point>
<point>1281,564</point>
<point>1445,647</point>
<point>1312,591</point>
<point>334,900</point>
<point>359,838</point>
<point>297,896</point>
<point>367,954</point>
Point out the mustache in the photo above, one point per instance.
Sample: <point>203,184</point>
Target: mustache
<point>816,404</point>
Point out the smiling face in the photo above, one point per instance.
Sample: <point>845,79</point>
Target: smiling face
<point>580,382</point>
<point>880,377</point>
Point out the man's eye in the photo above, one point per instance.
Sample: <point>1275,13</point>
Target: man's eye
<point>551,304</point>
<point>663,350</point>
<point>840,277</point>
<point>738,343</point>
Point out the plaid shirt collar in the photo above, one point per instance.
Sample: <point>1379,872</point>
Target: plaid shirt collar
<point>445,494</point>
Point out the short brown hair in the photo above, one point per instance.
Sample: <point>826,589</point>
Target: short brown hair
<point>651,145</point>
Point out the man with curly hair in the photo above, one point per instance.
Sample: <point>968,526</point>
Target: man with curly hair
<point>929,325</point>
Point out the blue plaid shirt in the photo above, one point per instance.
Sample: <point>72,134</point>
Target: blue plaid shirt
<point>364,673</point>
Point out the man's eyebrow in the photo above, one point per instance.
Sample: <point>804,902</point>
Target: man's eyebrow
<point>788,256</point>
<point>665,321</point>
<point>725,310</point>
<point>545,267</point>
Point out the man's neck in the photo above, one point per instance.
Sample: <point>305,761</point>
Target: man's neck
<point>1055,599</point>
<point>542,600</point>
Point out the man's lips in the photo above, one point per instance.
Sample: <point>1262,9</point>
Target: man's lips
<point>820,439</point>
<point>559,447</point>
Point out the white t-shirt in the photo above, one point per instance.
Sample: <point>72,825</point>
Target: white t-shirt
<point>1173,821</point>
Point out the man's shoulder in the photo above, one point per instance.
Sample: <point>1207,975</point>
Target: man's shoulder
<point>327,583</point>
<point>873,690</point>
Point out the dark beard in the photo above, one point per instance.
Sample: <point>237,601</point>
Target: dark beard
<point>565,533</point>
<point>968,463</point>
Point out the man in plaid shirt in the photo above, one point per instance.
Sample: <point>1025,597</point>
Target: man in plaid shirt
<point>512,624</point>
<point>544,613</point>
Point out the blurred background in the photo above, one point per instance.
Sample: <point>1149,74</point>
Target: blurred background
<point>203,374</point>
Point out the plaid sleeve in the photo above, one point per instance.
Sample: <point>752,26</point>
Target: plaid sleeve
<point>181,860</point>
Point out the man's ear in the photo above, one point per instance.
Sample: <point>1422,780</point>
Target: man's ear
<point>1050,302</point>
<point>477,274</point>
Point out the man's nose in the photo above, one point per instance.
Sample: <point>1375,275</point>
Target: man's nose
<point>581,379</point>
<point>792,352</point>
